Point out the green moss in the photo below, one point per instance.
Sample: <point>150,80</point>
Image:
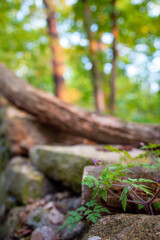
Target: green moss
<point>4,144</point>
<point>12,223</point>
<point>61,166</point>
<point>36,219</point>
<point>32,189</point>
<point>23,181</point>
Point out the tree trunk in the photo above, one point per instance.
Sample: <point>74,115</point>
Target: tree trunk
<point>115,55</point>
<point>54,112</point>
<point>99,95</point>
<point>24,132</point>
<point>58,66</point>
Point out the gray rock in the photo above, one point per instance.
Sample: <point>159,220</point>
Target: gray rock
<point>7,202</point>
<point>38,218</point>
<point>11,225</point>
<point>126,227</point>
<point>55,216</point>
<point>61,163</point>
<point>66,163</point>
<point>70,203</point>
<point>94,238</point>
<point>44,217</point>
<point>4,142</point>
<point>11,202</point>
<point>23,181</point>
<point>76,234</point>
<point>3,194</point>
<point>43,233</point>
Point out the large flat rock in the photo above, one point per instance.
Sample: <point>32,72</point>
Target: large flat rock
<point>125,227</point>
<point>66,163</point>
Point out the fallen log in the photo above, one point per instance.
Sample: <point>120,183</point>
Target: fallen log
<point>23,132</point>
<point>54,112</point>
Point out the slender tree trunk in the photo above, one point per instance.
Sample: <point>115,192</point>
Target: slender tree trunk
<point>58,66</point>
<point>114,60</point>
<point>99,95</point>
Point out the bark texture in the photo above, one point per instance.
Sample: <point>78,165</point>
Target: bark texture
<point>24,132</point>
<point>115,55</point>
<point>99,95</point>
<point>57,62</point>
<point>54,112</point>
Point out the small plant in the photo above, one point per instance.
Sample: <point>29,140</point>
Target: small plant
<point>91,211</point>
<point>116,175</point>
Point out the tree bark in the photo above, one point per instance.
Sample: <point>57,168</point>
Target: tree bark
<point>114,60</point>
<point>54,112</point>
<point>99,95</point>
<point>24,132</point>
<point>57,62</point>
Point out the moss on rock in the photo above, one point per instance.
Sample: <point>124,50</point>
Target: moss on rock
<point>23,181</point>
<point>66,163</point>
<point>61,164</point>
<point>12,223</point>
<point>126,227</point>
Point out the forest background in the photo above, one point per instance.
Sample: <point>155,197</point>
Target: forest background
<point>101,55</point>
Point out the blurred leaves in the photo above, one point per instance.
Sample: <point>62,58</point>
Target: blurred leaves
<point>25,48</point>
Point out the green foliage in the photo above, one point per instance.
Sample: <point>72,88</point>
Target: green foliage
<point>153,149</point>
<point>25,48</point>
<point>91,211</point>
<point>156,205</point>
<point>25,44</point>
<point>112,149</point>
<point>90,181</point>
<point>116,175</point>
<point>123,197</point>
<point>140,206</point>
